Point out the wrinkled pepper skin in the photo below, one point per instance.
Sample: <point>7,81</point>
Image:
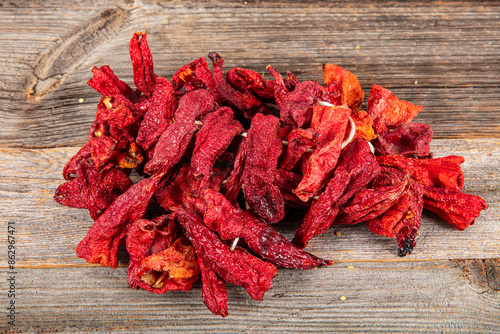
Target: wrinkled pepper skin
<point>330,123</point>
<point>101,243</point>
<point>387,111</point>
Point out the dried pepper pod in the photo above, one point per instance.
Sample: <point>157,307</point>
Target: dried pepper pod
<point>195,75</point>
<point>142,63</point>
<point>213,291</point>
<point>263,149</point>
<point>330,123</point>
<point>299,142</point>
<point>456,208</point>
<point>387,111</point>
<point>247,105</point>
<point>355,169</point>
<point>107,83</point>
<point>100,245</point>
<point>92,189</point>
<point>231,222</point>
<point>295,106</point>
<point>213,139</point>
<point>346,83</point>
<point>231,188</point>
<point>233,266</point>
<point>251,82</point>
<point>402,220</point>
<point>440,172</point>
<point>410,140</point>
<point>159,115</point>
<point>174,142</point>
<point>113,134</point>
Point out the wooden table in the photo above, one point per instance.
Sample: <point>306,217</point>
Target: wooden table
<point>444,55</point>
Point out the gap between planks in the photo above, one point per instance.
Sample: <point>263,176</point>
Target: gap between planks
<point>89,265</point>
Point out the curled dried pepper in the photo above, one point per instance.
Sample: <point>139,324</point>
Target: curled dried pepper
<point>142,63</point>
<point>236,267</point>
<point>195,75</point>
<point>346,83</point>
<point>92,189</point>
<point>231,222</point>
<point>387,111</point>
<point>250,82</point>
<point>263,149</point>
<point>107,83</point>
<point>440,172</point>
<point>330,123</point>
<point>100,245</point>
<point>295,106</point>
<point>247,105</point>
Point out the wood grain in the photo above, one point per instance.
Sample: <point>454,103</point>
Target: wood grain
<point>451,50</point>
<point>417,297</point>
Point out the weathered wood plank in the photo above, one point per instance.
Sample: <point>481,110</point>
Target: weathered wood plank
<point>411,297</point>
<point>49,232</point>
<point>451,49</point>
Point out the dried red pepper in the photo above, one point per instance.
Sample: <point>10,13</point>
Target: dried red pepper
<point>142,63</point>
<point>456,208</point>
<point>159,115</point>
<point>231,222</point>
<point>100,245</point>
<point>296,106</point>
<point>174,142</point>
<point>107,83</point>
<point>179,220</point>
<point>263,149</point>
<point>346,84</point>
<point>330,123</point>
<point>299,142</point>
<point>92,189</point>
<point>387,111</point>
<point>236,267</point>
<point>247,105</point>
<point>251,82</point>
<point>440,172</point>
<point>410,140</point>
<point>233,184</point>
<point>214,138</point>
<point>355,169</point>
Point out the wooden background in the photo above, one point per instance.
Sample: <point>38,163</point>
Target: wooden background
<point>444,55</point>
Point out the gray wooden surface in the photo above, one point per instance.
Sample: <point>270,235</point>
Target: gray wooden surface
<point>444,55</point>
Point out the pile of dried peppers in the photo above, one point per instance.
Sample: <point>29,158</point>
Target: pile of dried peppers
<point>221,158</point>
